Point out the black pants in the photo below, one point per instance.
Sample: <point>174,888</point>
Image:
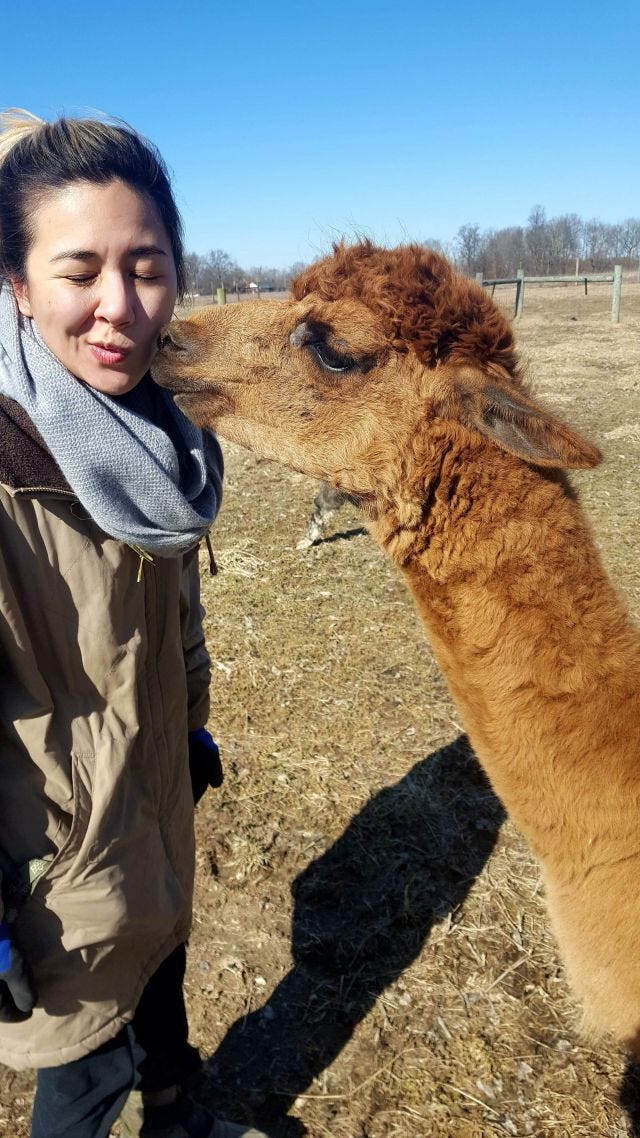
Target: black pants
<point>83,1099</point>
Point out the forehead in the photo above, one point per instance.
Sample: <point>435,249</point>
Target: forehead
<point>347,324</point>
<point>345,320</point>
<point>88,216</point>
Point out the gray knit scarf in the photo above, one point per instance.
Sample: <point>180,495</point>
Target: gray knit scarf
<point>142,471</point>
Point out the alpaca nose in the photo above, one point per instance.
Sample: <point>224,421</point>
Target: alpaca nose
<point>168,339</point>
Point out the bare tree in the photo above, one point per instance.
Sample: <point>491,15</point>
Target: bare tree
<point>221,268</point>
<point>468,243</point>
<point>504,251</point>
<point>436,244</point>
<point>630,237</point>
<point>563,242</point>
<point>192,267</point>
<point>597,242</point>
<point>536,238</point>
<point>213,270</point>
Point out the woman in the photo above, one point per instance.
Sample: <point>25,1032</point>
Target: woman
<point>105,491</point>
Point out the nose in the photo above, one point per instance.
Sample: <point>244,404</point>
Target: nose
<point>173,338</point>
<point>116,301</point>
<point>166,339</point>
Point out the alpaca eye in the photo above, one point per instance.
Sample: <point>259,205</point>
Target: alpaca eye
<point>331,360</point>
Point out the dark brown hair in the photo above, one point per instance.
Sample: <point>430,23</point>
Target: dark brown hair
<point>37,157</point>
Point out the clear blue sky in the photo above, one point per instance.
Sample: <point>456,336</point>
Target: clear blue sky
<point>288,124</point>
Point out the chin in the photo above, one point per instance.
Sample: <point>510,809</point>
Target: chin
<point>113,384</point>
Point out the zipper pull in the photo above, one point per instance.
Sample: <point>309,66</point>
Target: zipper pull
<point>213,568</point>
<point>144,556</point>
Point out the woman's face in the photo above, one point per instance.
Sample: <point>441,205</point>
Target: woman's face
<point>100,282</point>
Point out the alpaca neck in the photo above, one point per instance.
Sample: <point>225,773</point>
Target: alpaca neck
<point>537,649</point>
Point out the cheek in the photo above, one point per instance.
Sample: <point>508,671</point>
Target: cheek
<point>158,310</point>
<point>69,312</point>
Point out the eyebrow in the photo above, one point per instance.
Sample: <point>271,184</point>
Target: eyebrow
<point>90,254</point>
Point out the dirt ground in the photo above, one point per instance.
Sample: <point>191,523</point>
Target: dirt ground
<point>371,956</point>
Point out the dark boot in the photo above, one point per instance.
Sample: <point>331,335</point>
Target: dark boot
<point>169,1114</point>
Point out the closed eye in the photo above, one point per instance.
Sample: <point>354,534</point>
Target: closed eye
<point>88,278</point>
<point>331,360</point>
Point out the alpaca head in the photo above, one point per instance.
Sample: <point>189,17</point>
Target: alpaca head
<point>381,360</point>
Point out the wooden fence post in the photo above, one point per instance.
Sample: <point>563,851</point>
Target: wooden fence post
<point>519,293</point>
<point>615,296</point>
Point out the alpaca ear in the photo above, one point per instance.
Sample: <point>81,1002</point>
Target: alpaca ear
<point>517,424</point>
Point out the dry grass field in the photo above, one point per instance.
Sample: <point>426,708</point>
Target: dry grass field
<point>371,956</point>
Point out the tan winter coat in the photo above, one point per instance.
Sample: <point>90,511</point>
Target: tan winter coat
<point>103,671</point>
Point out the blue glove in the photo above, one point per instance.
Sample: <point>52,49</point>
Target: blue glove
<point>17,993</point>
<point>204,762</point>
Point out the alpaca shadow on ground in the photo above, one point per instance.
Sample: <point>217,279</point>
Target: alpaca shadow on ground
<point>341,535</point>
<point>362,913</point>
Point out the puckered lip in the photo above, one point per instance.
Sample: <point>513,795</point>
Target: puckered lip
<point>110,347</point>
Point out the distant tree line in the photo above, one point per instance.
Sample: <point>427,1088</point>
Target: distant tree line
<point>547,246</point>
<point>206,273</point>
<point>543,247</point>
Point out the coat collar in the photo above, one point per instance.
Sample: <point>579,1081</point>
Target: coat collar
<point>25,462</point>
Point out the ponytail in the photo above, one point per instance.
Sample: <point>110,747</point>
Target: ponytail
<point>16,126</point>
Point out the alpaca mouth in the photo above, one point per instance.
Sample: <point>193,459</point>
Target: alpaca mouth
<point>204,404</point>
<point>165,373</point>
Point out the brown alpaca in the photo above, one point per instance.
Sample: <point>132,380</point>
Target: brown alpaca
<point>397,381</point>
